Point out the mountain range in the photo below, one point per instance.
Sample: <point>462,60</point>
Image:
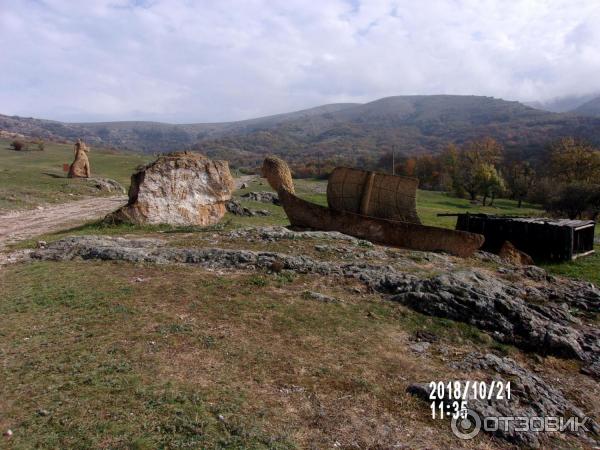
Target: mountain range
<point>351,131</point>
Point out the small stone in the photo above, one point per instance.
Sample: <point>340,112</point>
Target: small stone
<point>43,412</point>
<point>8,433</point>
<point>420,347</point>
<point>39,207</point>
<point>277,266</point>
<point>41,244</point>
<point>244,186</point>
<point>425,336</point>
<point>319,297</point>
<point>221,417</point>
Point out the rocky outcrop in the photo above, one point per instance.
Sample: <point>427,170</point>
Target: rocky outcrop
<point>178,189</point>
<point>270,234</point>
<point>531,396</point>
<point>534,313</point>
<point>80,168</point>
<point>106,185</point>
<point>536,319</point>
<point>235,208</point>
<point>263,197</point>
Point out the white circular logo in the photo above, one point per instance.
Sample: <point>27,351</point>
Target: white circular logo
<point>466,427</point>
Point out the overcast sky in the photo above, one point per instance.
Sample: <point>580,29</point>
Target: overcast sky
<point>219,60</point>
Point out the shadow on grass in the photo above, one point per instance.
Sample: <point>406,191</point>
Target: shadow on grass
<point>54,175</point>
<point>110,228</point>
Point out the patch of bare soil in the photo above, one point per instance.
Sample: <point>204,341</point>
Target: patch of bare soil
<point>21,225</point>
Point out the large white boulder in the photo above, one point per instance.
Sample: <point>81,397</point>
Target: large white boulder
<point>178,189</point>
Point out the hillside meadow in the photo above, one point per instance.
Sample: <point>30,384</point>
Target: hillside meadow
<point>31,178</point>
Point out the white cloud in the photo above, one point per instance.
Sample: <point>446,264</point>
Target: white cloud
<point>189,61</point>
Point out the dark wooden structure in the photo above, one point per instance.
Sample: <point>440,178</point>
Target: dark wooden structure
<point>541,238</point>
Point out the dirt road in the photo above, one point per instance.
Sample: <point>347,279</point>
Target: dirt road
<point>21,225</point>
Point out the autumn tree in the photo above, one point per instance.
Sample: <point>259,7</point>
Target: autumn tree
<point>575,199</point>
<point>572,160</point>
<point>490,183</point>
<point>520,178</point>
<point>467,164</point>
<point>428,169</point>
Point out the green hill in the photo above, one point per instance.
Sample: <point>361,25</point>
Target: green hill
<point>350,132</point>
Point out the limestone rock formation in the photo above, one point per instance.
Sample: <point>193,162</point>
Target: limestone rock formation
<point>237,209</point>
<point>106,185</point>
<point>80,168</point>
<point>177,189</point>
<point>263,197</point>
<point>532,396</point>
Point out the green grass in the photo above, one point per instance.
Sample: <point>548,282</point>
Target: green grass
<point>29,178</point>
<point>430,203</point>
<point>188,359</point>
<point>586,268</point>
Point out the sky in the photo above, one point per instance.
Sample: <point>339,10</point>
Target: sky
<point>185,61</point>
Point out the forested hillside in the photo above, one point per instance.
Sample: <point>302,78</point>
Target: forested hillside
<point>354,133</point>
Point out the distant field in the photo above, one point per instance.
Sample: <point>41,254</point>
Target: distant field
<point>30,178</point>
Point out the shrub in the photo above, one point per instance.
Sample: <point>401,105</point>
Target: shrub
<point>576,199</point>
<point>18,145</point>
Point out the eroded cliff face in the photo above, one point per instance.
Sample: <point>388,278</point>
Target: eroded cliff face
<point>178,189</point>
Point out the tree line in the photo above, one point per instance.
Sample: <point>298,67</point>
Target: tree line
<point>565,179</point>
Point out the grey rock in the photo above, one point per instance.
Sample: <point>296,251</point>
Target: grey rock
<point>544,326</point>
<point>310,295</point>
<point>234,207</point>
<point>424,336</point>
<point>270,234</point>
<point>106,185</point>
<point>263,197</point>
<point>531,396</point>
<point>420,347</point>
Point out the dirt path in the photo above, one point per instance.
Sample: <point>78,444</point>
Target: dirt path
<point>244,179</point>
<point>21,225</point>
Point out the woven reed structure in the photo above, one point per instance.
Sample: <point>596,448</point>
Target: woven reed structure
<point>373,194</point>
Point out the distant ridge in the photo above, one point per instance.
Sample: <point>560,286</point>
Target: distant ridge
<point>591,108</point>
<point>347,131</point>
